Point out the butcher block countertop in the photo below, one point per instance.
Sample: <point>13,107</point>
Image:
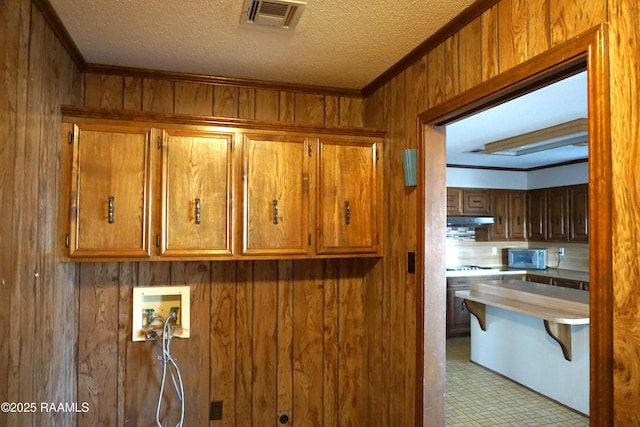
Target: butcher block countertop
<point>552,303</point>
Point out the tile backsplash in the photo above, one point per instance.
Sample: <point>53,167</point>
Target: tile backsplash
<point>462,251</point>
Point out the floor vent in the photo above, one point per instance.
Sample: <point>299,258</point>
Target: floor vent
<point>278,14</point>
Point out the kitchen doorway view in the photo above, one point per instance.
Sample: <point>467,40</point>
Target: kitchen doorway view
<point>518,228</point>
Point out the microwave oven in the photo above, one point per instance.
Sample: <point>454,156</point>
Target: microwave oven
<point>528,259</point>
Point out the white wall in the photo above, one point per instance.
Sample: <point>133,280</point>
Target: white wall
<point>512,180</point>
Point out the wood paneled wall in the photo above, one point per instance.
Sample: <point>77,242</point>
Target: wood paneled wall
<point>302,337</point>
<point>505,35</point>
<point>330,341</point>
<point>38,320</point>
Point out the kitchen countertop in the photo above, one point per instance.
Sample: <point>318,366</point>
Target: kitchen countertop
<point>558,273</point>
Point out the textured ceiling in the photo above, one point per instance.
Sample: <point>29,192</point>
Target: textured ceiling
<point>337,43</point>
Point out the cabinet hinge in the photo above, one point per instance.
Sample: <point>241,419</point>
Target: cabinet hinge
<point>70,137</point>
<point>67,241</point>
<point>158,240</point>
<point>159,142</point>
<point>377,154</point>
<point>309,239</point>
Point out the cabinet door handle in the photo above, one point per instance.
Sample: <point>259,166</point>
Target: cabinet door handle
<point>347,213</point>
<point>275,211</point>
<point>500,219</point>
<point>580,219</point>
<point>111,209</point>
<point>198,210</point>
<point>518,220</point>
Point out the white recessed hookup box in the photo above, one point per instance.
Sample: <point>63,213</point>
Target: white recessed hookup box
<point>153,304</point>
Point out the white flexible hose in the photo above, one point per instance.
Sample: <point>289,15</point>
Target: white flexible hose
<point>173,366</point>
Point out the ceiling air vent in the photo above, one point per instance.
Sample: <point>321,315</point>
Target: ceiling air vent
<point>277,14</point>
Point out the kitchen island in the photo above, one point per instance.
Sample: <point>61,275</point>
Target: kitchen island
<point>535,334</point>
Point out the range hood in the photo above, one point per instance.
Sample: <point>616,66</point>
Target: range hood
<point>469,221</point>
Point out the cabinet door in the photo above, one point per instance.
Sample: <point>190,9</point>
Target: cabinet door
<point>537,207</point>
<point>458,317</point>
<point>558,213</point>
<point>275,195</point>
<point>476,202</point>
<point>196,193</point>
<point>499,229</point>
<point>347,196</point>
<point>517,208</point>
<point>110,192</point>
<point>579,213</point>
<point>454,201</point>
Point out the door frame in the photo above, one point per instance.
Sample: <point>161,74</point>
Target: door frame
<point>589,51</point>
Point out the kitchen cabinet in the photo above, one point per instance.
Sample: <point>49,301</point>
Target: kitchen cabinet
<point>579,213</point>
<point>468,201</point>
<point>348,198</point>
<point>196,193</point>
<point>539,279</point>
<point>558,215</point>
<point>458,317</point>
<point>275,195</point>
<point>170,190</point>
<point>570,283</point>
<point>537,218</point>
<point>508,208</point>
<point>110,212</point>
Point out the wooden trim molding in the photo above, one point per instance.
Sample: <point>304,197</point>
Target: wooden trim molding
<point>133,116</point>
<point>459,22</point>
<point>590,51</point>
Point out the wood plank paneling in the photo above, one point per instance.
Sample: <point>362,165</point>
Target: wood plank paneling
<point>452,66</point>
<point>225,101</point>
<point>351,112</point>
<point>244,344</point>
<point>104,91</point>
<point>267,104</point>
<point>436,77</point>
<point>284,345</point>
<point>331,110</point>
<point>625,134</point>
<point>223,340</point>
<point>246,103</point>
<point>194,98</point>
<point>309,109</point>
<point>569,18</point>
<point>132,95</point>
<point>264,334</point>
<point>158,95</point>
<point>470,54</point>
<point>512,33</point>
<point>490,43</point>
<point>308,344</point>
<point>98,343</point>
<point>537,27</point>
<point>331,403</point>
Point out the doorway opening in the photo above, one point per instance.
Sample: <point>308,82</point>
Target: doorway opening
<point>587,52</point>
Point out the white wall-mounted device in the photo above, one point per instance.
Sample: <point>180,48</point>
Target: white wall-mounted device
<point>153,304</point>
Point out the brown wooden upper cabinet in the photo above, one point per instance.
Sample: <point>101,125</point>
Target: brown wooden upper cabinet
<point>187,191</point>
<point>110,191</point>
<point>508,207</point>
<point>348,196</point>
<point>196,193</point>
<point>275,195</point>
<point>579,213</point>
<point>559,213</point>
<point>468,201</point>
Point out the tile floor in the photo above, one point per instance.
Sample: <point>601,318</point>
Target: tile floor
<point>478,397</point>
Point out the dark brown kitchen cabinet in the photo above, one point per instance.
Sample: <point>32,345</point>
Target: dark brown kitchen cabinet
<point>508,208</point>
<point>558,213</point>
<point>458,317</point>
<point>579,213</point>
<point>468,201</point>
<point>539,279</point>
<point>537,218</point>
<point>570,283</point>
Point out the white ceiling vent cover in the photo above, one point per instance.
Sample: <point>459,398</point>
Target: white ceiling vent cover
<point>277,14</point>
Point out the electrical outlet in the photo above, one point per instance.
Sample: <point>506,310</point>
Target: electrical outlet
<point>560,251</point>
<point>494,251</point>
<point>215,410</point>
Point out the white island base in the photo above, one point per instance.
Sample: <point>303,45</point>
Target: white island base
<point>508,336</point>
